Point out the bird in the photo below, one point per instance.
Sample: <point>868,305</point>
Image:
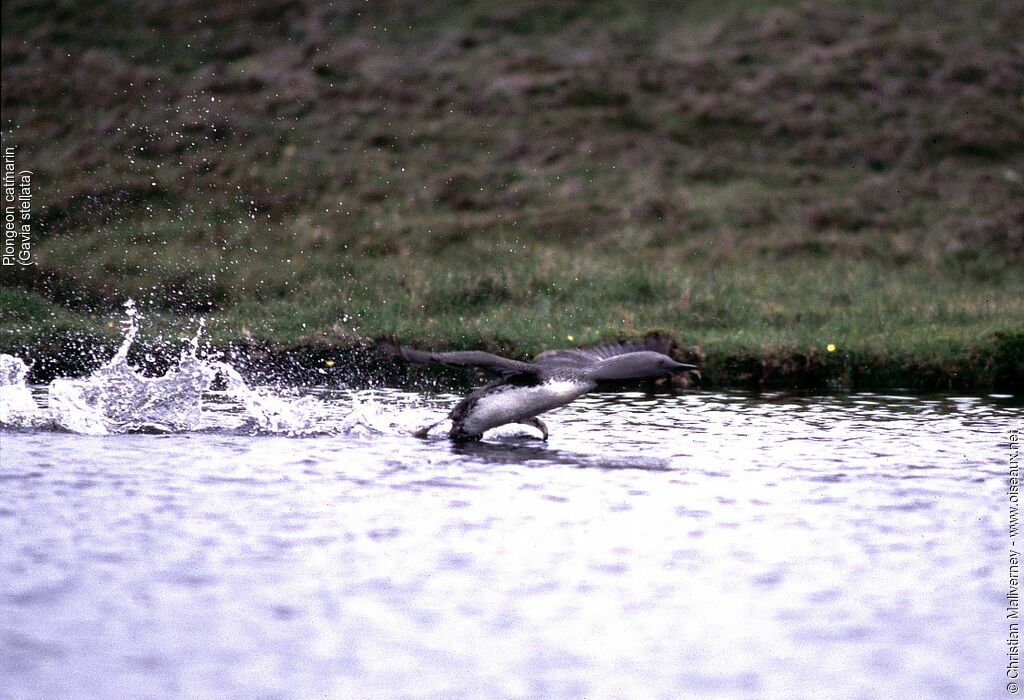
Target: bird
<point>523,390</point>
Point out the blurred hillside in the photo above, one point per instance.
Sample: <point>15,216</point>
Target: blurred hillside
<point>754,177</point>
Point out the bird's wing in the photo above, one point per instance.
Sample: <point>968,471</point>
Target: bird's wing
<point>496,364</point>
<point>587,357</point>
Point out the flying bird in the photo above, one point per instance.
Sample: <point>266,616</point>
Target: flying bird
<point>524,390</point>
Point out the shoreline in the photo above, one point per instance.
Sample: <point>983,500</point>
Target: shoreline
<point>996,366</point>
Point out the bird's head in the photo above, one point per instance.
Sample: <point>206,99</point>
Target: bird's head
<point>636,365</point>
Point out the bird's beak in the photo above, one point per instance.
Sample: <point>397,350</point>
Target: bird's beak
<point>679,366</point>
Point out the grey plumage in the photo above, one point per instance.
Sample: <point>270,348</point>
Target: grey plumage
<point>523,390</point>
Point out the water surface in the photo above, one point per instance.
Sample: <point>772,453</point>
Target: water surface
<point>657,546</point>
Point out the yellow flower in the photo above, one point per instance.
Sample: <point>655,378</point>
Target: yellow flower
<point>569,338</point>
<point>330,363</point>
<point>831,347</point>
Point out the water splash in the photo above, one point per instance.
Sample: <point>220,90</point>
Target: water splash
<point>17,407</point>
<point>117,398</point>
<point>272,413</point>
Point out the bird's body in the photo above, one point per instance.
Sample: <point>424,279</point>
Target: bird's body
<point>524,390</point>
<point>501,402</point>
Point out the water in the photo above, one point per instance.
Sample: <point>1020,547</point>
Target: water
<point>293,545</point>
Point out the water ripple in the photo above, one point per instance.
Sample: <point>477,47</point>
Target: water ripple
<point>713,544</point>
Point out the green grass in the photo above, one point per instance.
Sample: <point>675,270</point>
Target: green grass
<point>905,327</point>
<point>757,180</point>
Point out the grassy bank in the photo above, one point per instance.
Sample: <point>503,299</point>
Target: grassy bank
<point>760,184</point>
<point>834,326</point>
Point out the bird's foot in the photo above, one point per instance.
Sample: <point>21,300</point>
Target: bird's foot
<point>422,432</point>
<point>538,424</point>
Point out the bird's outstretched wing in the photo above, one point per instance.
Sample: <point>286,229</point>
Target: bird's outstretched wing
<point>489,362</point>
<point>587,357</point>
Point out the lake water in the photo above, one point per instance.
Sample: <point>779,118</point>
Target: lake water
<point>658,546</point>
